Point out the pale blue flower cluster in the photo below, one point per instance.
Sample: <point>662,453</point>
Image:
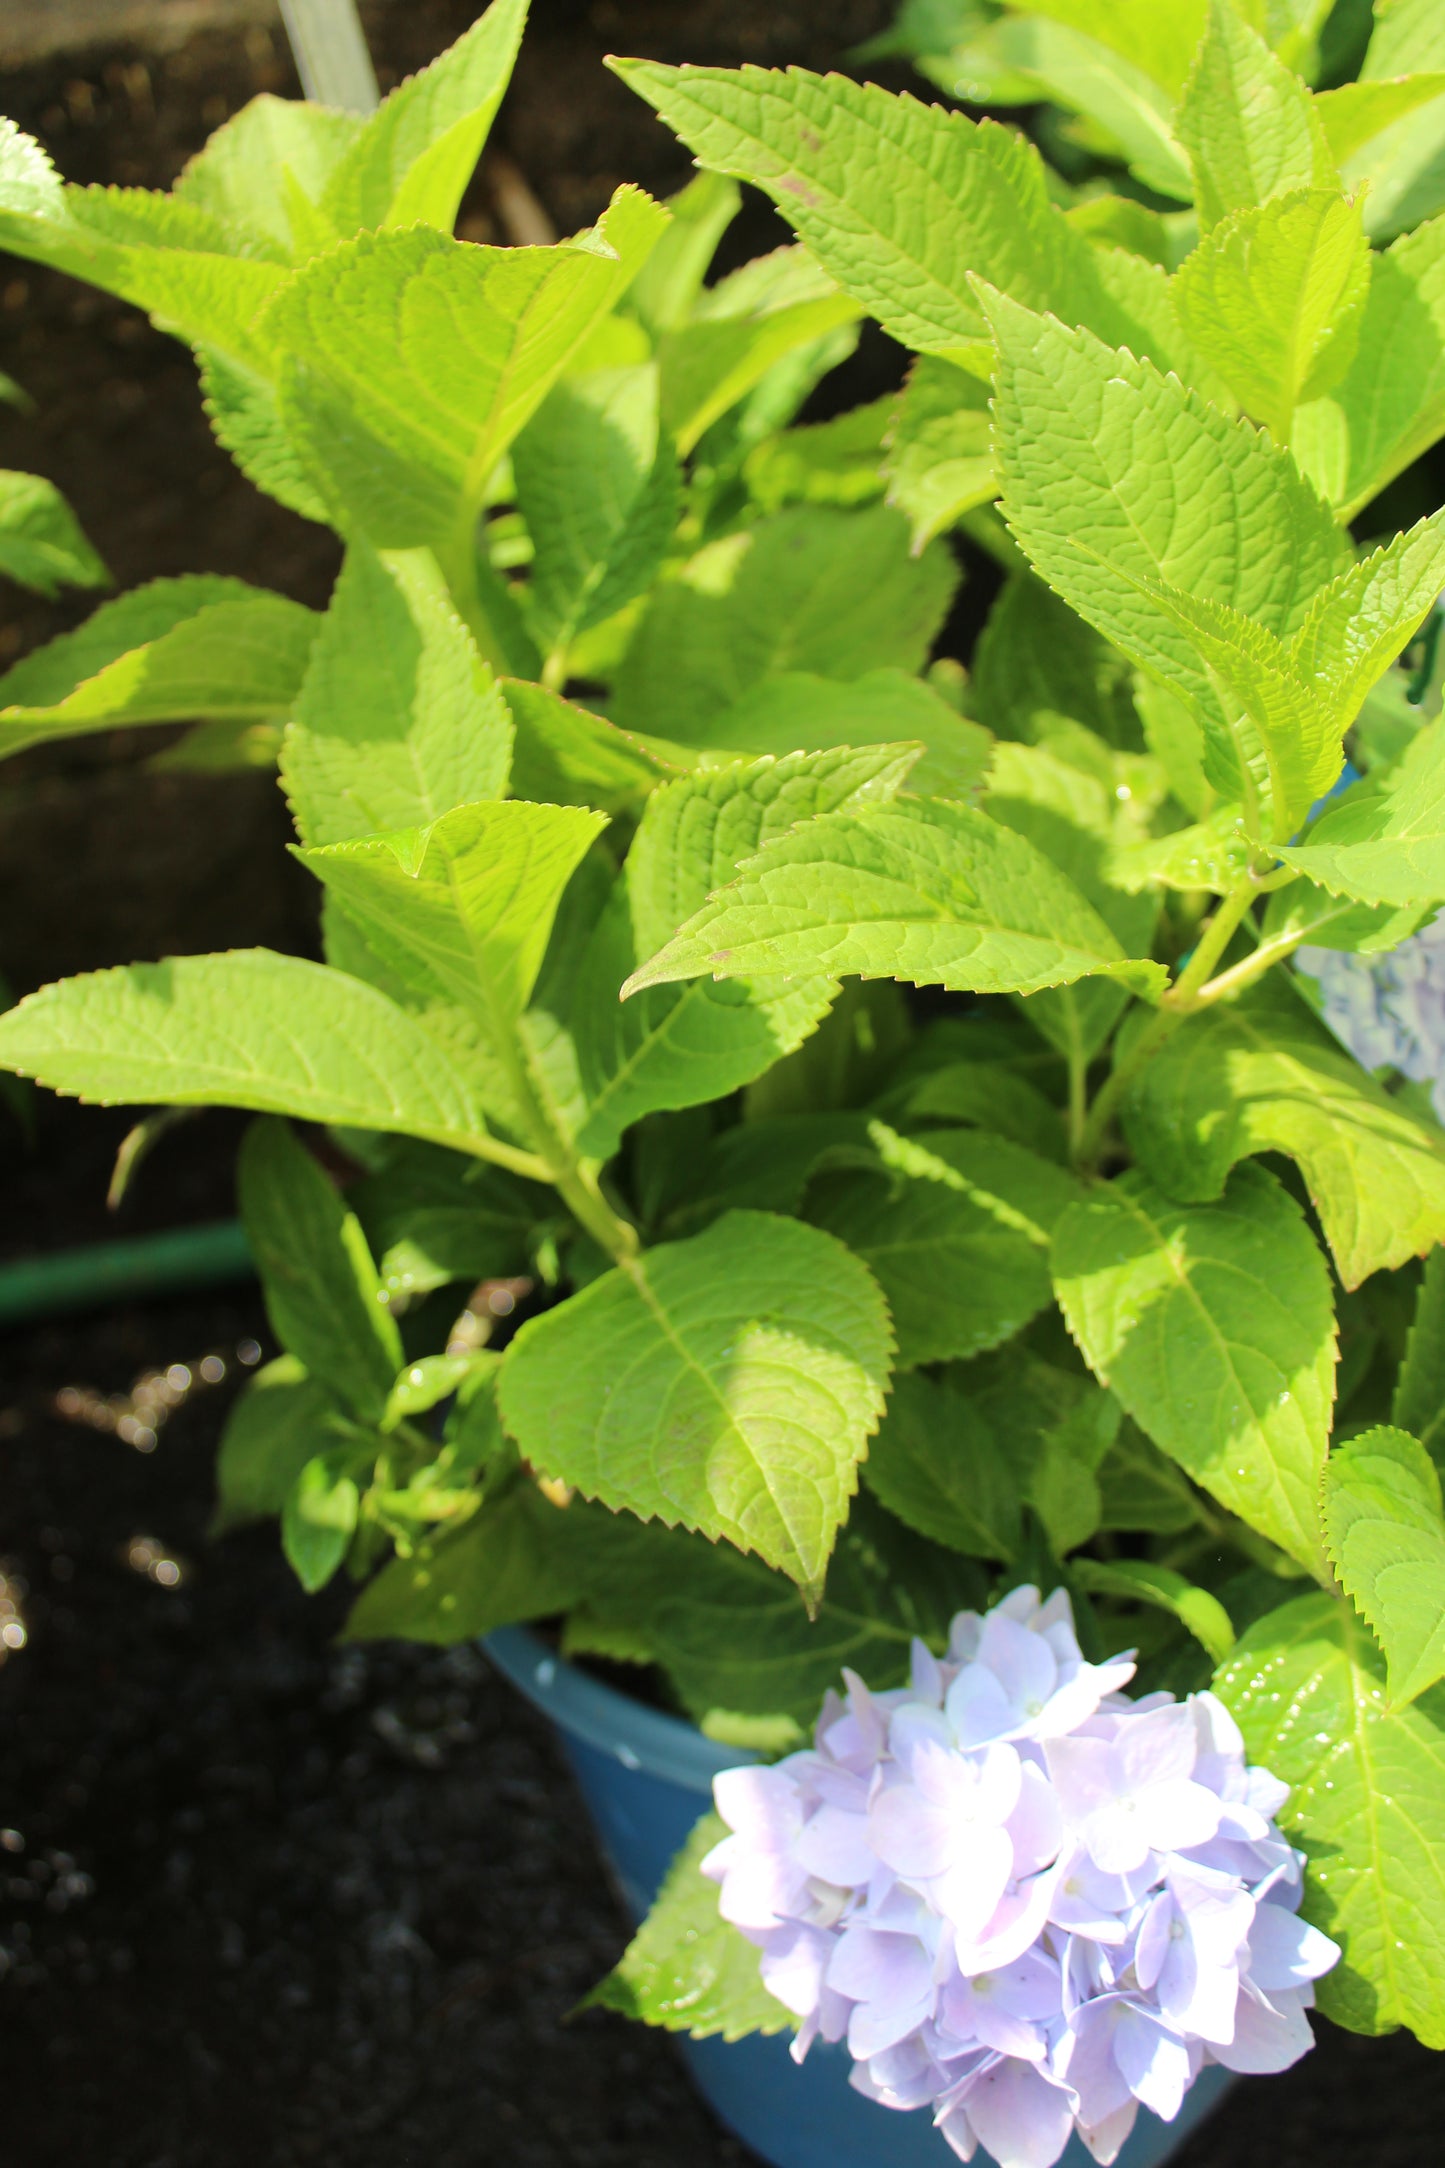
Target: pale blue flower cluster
<point>1389,1010</point>
<point>1021,1898</point>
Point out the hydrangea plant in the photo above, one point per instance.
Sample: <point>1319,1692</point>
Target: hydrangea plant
<point>637,802</point>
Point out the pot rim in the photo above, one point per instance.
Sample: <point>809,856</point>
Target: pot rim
<point>611,1722</point>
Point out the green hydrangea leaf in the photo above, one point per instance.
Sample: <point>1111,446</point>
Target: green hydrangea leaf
<point>432,1216</point>
<point>501,1567</point>
<point>599,490</point>
<point>1247,122</point>
<point>1137,1581</point>
<point>680,1046</point>
<point>1307,1687</point>
<point>1214,1325</point>
<point>319,1517</point>
<point>279,1422</point>
<point>41,543</point>
<point>1075,819</point>
<point>1419,1402</point>
<point>1385,843</point>
<point>414,156</point>
<point>797,711</point>
<point>1187,539</point>
<point>1258,1074</point>
<point>564,755</point>
<point>940,457</point>
<point>165,653</point>
<point>686,1968</point>
<point>265,172</point>
<point>741,329</point>
<point>398,719</point>
<point>728,1383</point>
<point>1211,854</point>
<point>834,462</point>
<point>1386,1536</point>
<point>1118,68</point>
<point>733,1636</point>
<point>926,891</point>
<point>900,202</point>
<point>937,1463</point>
<point>1273,298</point>
<point>814,589</point>
<point>246,1029</point>
<point>956,1230</point>
<point>165,254</point>
<point>412,361</point>
<point>1402,163</point>
<point>1036,661</point>
<point>670,283</point>
<point>468,900</point>
<point>1390,405</point>
<point>324,1298</point>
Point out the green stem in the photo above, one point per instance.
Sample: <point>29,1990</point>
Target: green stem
<point>574,1179</point>
<point>1078,1098</point>
<point>459,569</point>
<point>1180,1001</point>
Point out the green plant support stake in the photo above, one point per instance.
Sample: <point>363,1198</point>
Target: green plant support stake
<point>330,47</point>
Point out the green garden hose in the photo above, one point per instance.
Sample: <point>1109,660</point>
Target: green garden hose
<point>189,1257</point>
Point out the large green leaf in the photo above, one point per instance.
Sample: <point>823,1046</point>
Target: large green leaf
<point>800,712</point>
<point>741,329</point>
<point>1189,540</point>
<point>679,1046</point>
<point>923,890</point>
<point>247,1029</point>
<point>955,1229</point>
<point>398,720</point>
<point>1160,42</point>
<point>41,543</point>
<point>1128,92</point>
<point>901,202</point>
<point>412,361</point>
<point>1075,817</point>
<point>280,1421</point>
<point>734,1637</point>
<point>1213,1324</point>
<point>502,1566</point>
<point>1036,661</point>
<point>1273,298</point>
<point>1419,1402</point>
<point>813,589</point>
<point>1307,1686</point>
<point>686,1968</point>
<point>1402,165</point>
<point>415,154</point>
<point>939,458</point>
<point>1390,406</point>
<point>1384,843</point>
<point>468,901</point>
<point>168,256</point>
<point>1258,1074</point>
<point>938,1464</point>
<point>172,651</point>
<point>1386,1537</point>
<point>264,173</point>
<point>728,1383</point>
<point>1247,122</point>
<point>323,1296</point>
<point>598,487</point>
<point>564,755</point>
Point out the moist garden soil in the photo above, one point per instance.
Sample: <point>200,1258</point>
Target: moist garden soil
<point>267,1900</point>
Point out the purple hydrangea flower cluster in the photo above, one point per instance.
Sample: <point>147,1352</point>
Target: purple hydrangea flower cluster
<point>1389,1010</point>
<point>1021,1898</point>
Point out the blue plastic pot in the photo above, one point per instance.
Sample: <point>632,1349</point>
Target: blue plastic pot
<point>646,1778</point>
